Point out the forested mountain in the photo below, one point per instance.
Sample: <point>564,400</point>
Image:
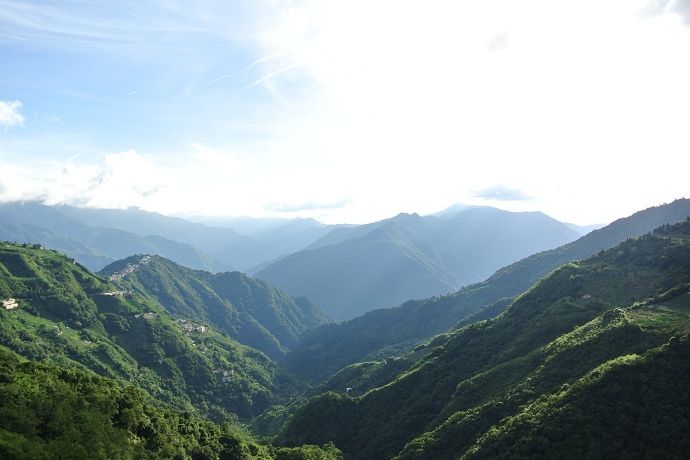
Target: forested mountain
<point>248,310</point>
<point>390,264</point>
<point>97,237</point>
<point>68,317</point>
<point>591,361</point>
<point>150,359</point>
<point>353,270</point>
<point>386,332</point>
<point>48,413</point>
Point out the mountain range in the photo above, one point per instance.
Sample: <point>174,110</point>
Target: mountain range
<point>96,237</point>
<point>386,332</point>
<point>248,310</point>
<point>69,317</point>
<point>591,361</point>
<point>581,350</point>
<point>346,270</point>
<point>352,270</point>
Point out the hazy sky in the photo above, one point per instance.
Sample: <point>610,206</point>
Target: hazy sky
<point>347,111</point>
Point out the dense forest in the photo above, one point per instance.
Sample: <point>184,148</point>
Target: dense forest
<point>620,311</point>
<point>393,331</point>
<point>344,230</point>
<point>246,309</point>
<point>149,359</point>
<point>79,326</point>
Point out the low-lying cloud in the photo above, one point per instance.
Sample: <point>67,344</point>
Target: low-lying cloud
<point>307,206</point>
<point>501,193</point>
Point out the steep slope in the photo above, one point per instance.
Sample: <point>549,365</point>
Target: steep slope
<point>554,336</point>
<point>93,246</point>
<point>385,332</point>
<point>352,277</point>
<point>251,311</point>
<point>47,412</point>
<point>352,270</point>
<point>632,406</point>
<point>70,318</point>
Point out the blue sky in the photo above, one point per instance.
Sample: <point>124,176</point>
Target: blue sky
<point>346,111</point>
<point>112,77</point>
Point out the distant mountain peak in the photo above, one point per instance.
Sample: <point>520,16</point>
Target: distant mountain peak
<point>352,270</point>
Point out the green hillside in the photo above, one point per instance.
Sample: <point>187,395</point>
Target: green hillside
<point>392,331</point>
<point>549,345</point>
<point>248,310</point>
<point>52,413</point>
<point>68,317</point>
<point>629,400</point>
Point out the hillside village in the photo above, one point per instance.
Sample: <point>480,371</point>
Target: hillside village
<point>10,304</point>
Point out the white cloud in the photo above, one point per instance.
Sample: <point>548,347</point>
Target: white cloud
<point>199,179</point>
<point>397,105</point>
<point>405,106</point>
<point>10,115</point>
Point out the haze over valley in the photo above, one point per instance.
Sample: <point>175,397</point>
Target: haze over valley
<point>326,230</point>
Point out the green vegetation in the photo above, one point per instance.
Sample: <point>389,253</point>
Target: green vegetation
<point>248,310</point>
<point>112,375</point>
<point>629,407</point>
<point>490,385</point>
<point>591,361</point>
<point>364,376</point>
<point>66,317</point>
<point>47,412</point>
<point>392,331</point>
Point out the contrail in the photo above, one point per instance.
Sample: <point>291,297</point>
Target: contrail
<point>245,68</point>
<point>268,77</point>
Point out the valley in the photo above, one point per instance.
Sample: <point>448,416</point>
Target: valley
<point>344,230</point>
<point>164,360</point>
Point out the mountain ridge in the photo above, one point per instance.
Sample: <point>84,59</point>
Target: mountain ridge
<point>94,246</point>
<point>385,332</point>
<point>553,335</point>
<point>353,270</point>
<point>69,317</point>
<point>248,310</point>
